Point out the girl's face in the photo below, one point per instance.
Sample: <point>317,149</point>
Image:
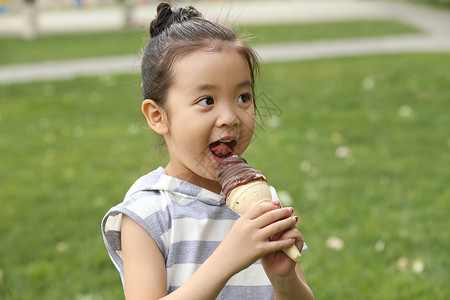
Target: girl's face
<point>211,114</point>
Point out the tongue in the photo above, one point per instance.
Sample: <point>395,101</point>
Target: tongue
<point>221,150</point>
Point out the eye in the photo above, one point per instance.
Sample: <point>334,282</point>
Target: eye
<point>206,101</point>
<point>244,98</point>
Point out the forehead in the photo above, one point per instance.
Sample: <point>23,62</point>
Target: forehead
<point>203,66</point>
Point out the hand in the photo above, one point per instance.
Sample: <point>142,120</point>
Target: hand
<point>248,239</point>
<point>278,263</point>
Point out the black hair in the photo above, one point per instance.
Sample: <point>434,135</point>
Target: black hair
<point>176,32</point>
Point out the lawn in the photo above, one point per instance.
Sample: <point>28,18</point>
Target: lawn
<point>363,147</point>
<point>440,4</point>
<point>282,33</point>
<point>57,47</point>
<point>359,145</point>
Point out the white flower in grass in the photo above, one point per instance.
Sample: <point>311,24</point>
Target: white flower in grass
<point>405,111</point>
<point>274,122</point>
<point>335,243</point>
<point>368,83</point>
<point>418,266</point>
<point>285,198</point>
<point>108,80</point>
<point>61,246</point>
<point>379,246</point>
<point>402,263</point>
<point>85,297</point>
<point>305,166</point>
<point>343,152</point>
<point>78,131</point>
<point>133,129</point>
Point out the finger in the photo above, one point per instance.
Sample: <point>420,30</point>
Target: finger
<point>276,202</point>
<point>273,216</point>
<point>259,210</point>
<point>300,245</point>
<point>279,245</point>
<point>275,237</point>
<point>295,235</point>
<point>279,227</point>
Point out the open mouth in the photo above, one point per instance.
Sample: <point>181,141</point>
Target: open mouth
<point>222,149</point>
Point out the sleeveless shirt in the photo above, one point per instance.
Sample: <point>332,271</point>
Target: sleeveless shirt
<point>188,223</point>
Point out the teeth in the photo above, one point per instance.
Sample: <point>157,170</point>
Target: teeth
<point>226,141</point>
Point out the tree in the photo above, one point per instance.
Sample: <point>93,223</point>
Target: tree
<point>127,12</point>
<point>31,28</point>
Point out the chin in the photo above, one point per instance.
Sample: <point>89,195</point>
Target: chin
<point>206,169</point>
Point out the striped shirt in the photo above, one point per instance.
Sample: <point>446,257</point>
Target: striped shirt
<point>188,223</point>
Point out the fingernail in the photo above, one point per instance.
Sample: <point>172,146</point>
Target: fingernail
<point>291,209</point>
<point>295,219</point>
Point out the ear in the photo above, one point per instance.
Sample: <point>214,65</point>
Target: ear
<point>156,116</point>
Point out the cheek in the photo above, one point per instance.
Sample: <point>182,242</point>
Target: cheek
<point>191,133</point>
<point>247,127</point>
<point>248,120</point>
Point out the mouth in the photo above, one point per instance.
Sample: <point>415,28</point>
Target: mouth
<point>222,148</point>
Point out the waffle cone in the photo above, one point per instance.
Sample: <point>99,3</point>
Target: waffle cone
<point>242,198</point>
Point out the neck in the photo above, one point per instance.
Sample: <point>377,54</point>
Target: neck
<point>211,185</point>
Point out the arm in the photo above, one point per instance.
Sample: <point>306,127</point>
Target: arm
<point>292,286</point>
<point>145,271</point>
<point>138,250</point>
<point>247,241</point>
<point>286,275</point>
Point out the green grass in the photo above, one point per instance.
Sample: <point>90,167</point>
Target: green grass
<point>68,46</point>
<point>282,33</point>
<point>57,47</point>
<point>71,149</point>
<point>390,187</point>
<point>439,4</point>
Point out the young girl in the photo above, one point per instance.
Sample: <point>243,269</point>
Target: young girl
<point>173,236</point>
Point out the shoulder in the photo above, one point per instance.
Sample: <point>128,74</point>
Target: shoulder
<point>144,204</point>
<point>144,196</point>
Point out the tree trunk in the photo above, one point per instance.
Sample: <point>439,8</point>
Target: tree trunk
<point>30,13</point>
<point>127,13</point>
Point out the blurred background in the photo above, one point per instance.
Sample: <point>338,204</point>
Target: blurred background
<point>354,133</point>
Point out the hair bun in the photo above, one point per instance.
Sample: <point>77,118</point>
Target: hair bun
<point>167,15</point>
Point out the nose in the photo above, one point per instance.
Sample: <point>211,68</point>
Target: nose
<point>227,116</point>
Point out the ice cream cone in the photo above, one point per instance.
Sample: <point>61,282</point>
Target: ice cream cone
<point>243,197</point>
